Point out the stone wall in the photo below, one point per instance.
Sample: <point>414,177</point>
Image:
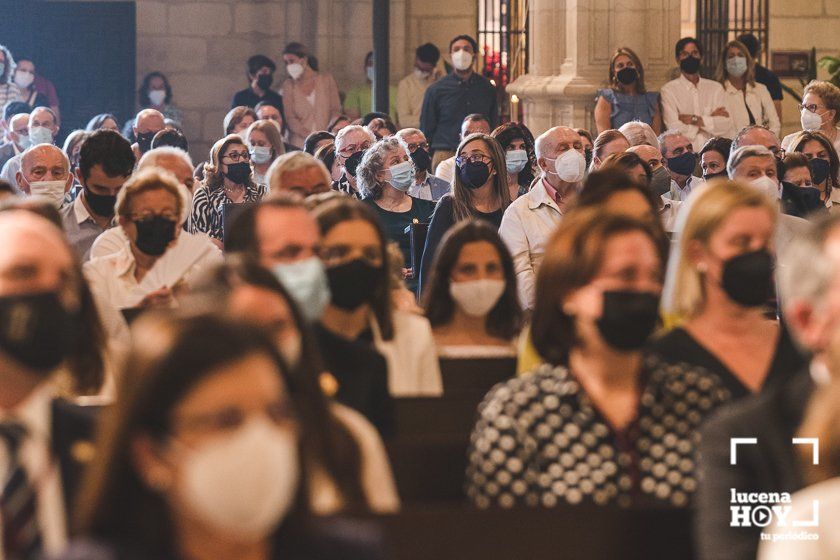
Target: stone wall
<point>202,45</point>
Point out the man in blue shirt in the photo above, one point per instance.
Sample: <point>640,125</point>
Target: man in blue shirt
<point>455,96</point>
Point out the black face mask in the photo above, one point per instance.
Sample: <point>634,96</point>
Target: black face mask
<point>780,168</point>
<point>264,81</point>
<point>710,176</point>
<point>154,235</point>
<point>422,160</point>
<point>587,155</point>
<point>660,181</point>
<point>101,204</point>
<point>747,279</point>
<point>239,173</point>
<point>628,318</point>
<point>144,141</point>
<point>820,170</point>
<point>352,163</point>
<point>353,283</point>
<point>36,330</point>
<point>690,65</point>
<point>474,173</point>
<point>627,76</point>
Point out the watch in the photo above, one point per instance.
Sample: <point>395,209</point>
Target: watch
<point>694,119</point>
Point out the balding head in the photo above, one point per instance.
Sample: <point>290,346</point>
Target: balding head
<point>174,160</point>
<point>18,131</point>
<point>42,167</point>
<point>756,135</point>
<point>550,145</point>
<point>149,120</point>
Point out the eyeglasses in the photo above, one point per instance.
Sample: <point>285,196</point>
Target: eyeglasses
<point>145,216</point>
<point>778,152</point>
<point>348,151</point>
<point>474,158</point>
<point>414,146</point>
<point>237,156</point>
<point>813,107</point>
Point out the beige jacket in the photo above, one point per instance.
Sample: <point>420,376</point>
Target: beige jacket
<point>302,117</point>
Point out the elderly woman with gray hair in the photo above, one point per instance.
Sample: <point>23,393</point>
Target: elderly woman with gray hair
<point>384,177</point>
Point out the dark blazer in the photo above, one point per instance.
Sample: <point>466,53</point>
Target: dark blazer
<point>768,466</point>
<point>72,429</point>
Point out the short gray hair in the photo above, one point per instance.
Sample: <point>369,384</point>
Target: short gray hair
<point>150,158</point>
<point>808,273</point>
<point>639,133</point>
<point>742,153</point>
<point>665,135</point>
<point>349,130</point>
<point>373,163</point>
<point>546,141</point>
<point>739,138</point>
<point>293,161</point>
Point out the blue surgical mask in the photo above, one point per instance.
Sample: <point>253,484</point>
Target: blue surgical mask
<point>369,71</point>
<point>516,160</point>
<point>736,66</point>
<point>40,135</point>
<point>402,176</point>
<point>307,283</point>
<point>260,154</point>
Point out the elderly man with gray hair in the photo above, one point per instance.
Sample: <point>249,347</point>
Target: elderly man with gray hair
<point>639,134</point>
<point>45,171</point>
<point>530,220</point>
<point>426,185</point>
<point>300,173</point>
<point>350,144</point>
<point>810,300</point>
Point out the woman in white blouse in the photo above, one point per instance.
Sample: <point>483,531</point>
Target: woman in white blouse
<point>746,101</point>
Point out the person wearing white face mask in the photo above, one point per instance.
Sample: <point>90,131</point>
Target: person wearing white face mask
<point>43,128</point>
<point>819,111</point>
<point>24,79</point>
<point>471,302</point>
<point>310,97</point>
<point>15,127</point>
<point>520,159</point>
<point>384,176</point>
<point>411,89</point>
<point>747,101</point>
<point>214,449</point>
<point>45,172</point>
<point>453,97</point>
<point>530,220</point>
<point>265,144</point>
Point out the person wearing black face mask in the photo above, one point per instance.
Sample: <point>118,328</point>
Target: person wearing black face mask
<point>147,123</point>
<point>260,79</point>
<point>105,162</point>
<point>597,302</point>
<point>713,158</point>
<point>723,290</point>
<point>47,321</point>
<point>350,145</point>
<point>227,180</point>
<point>693,105</point>
<point>159,258</point>
<point>360,312</point>
<point>823,162</point>
<point>626,100</point>
<point>426,186</point>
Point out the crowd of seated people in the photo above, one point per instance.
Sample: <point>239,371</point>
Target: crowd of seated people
<point>340,316</point>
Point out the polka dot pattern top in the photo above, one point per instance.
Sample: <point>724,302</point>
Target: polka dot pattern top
<point>540,441</point>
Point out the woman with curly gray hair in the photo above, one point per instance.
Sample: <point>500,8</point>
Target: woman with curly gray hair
<point>8,89</point>
<point>384,177</point>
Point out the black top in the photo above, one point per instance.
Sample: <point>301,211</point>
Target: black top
<point>450,99</point>
<point>679,346</point>
<point>395,224</point>
<point>443,219</point>
<point>362,375</point>
<point>541,441</point>
<point>770,81</point>
<point>248,98</point>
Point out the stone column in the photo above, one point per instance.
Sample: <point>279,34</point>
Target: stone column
<point>571,42</point>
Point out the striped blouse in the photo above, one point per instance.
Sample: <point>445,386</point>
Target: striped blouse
<point>208,206</point>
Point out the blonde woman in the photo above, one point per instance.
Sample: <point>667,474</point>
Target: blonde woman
<point>746,101</point>
<point>724,281</point>
<point>265,144</point>
<point>626,99</point>
<point>479,190</point>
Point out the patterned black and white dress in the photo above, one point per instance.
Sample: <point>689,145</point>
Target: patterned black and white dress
<point>540,441</point>
<point>208,206</point>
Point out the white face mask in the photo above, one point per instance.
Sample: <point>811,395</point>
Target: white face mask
<point>421,74</point>
<point>157,97</point>
<point>52,190</point>
<point>767,185</point>
<point>477,297</point>
<point>402,176</point>
<point>462,60</point>
<point>260,154</point>
<point>24,79</point>
<point>295,70</point>
<point>243,483</point>
<point>809,120</point>
<point>40,135</point>
<point>570,166</point>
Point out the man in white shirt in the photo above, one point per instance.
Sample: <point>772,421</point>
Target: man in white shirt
<point>44,441</point>
<point>426,185</point>
<point>161,259</point>
<point>681,159</point>
<point>472,123</point>
<point>693,105</point>
<point>45,171</point>
<point>530,220</point>
<point>411,89</point>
